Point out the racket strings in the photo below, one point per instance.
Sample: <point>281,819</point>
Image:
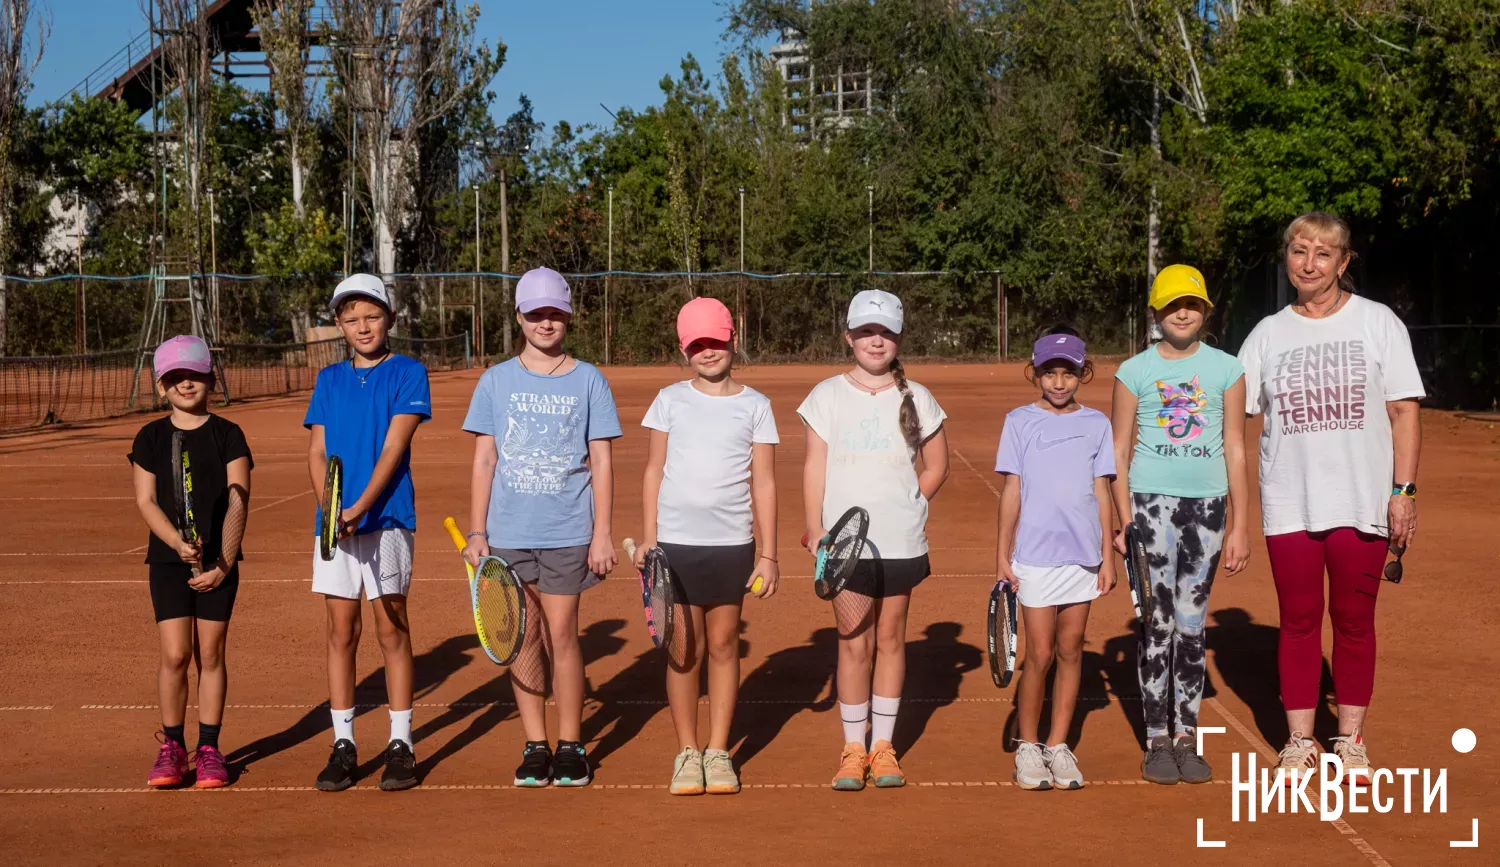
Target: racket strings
<point>498,602</point>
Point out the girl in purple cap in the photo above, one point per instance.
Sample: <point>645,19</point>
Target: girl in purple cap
<point>1052,547</point>
<point>193,581</point>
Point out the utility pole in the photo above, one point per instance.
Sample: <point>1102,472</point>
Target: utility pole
<point>870,192</point>
<point>740,300</point>
<point>609,267</point>
<point>510,315</point>
<point>213,280</point>
<point>478,293</point>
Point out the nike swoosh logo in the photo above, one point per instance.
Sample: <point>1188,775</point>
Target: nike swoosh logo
<point>348,719</point>
<point>1048,444</point>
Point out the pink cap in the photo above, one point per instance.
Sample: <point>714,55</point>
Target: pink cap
<point>704,318</point>
<point>183,352</point>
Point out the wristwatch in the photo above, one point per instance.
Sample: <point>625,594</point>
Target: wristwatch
<point>1407,490</point>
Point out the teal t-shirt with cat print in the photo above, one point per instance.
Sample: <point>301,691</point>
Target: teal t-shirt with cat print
<point>1179,447</point>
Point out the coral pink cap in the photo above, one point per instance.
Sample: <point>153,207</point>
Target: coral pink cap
<point>704,318</point>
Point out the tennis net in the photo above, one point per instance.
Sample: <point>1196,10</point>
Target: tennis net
<point>54,389</point>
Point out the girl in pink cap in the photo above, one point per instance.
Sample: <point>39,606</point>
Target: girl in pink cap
<point>709,497</point>
<point>193,580</point>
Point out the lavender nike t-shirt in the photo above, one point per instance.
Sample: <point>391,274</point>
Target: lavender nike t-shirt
<point>1057,457</point>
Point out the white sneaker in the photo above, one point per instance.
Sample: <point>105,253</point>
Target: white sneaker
<point>687,773</point>
<point>1351,751</point>
<point>1031,767</point>
<point>1064,767</point>
<point>1297,759</point>
<point>719,777</point>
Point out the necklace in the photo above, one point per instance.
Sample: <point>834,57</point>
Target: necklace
<point>548,373</point>
<point>1337,303</point>
<point>867,389</point>
<point>368,370</point>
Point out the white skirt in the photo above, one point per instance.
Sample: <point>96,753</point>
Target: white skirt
<point>1056,585</point>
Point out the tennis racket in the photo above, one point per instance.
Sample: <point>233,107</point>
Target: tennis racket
<point>182,497</point>
<point>1002,633</point>
<point>838,553</point>
<point>658,596</point>
<point>499,603</point>
<point>1138,575</point>
<point>333,508</point>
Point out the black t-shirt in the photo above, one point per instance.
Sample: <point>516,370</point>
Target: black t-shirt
<point>212,446</point>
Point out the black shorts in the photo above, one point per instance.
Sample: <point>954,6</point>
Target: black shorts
<point>711,574</point>
<point>172,598</point>
<point>885,578</point>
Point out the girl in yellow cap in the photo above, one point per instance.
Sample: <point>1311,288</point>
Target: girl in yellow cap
<point>1179,427</point>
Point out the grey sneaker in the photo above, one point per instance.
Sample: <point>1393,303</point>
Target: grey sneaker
<point>1031,767</point>
<point>1160,764</point>
<point>719,777</point>
<point>1064,767</point>
<point>1190,765</point>
<point>687,773</point>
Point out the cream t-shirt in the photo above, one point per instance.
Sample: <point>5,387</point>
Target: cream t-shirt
<point>869,464</point>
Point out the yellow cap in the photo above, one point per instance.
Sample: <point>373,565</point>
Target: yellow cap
<point>1178,281</point>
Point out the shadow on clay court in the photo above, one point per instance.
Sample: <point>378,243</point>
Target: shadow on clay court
<point>1107,675</point>
<point>935,666</point>
<point>1245,655</point>
<point>598,640</point>
<point>430,669</point>
<point>788,682</point>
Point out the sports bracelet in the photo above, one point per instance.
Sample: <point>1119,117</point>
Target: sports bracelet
<point>477,533</point>
<point>764,557</point>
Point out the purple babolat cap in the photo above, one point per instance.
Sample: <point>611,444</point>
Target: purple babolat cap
<point>183,352</point>
<point>543,287</point>
<point>1065,346</point>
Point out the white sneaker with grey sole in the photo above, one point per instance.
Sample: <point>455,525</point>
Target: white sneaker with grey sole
<point>1064,767</point>
<point>1031,767</point>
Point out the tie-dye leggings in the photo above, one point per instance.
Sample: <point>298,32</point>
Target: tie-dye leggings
<point>1183,536</point>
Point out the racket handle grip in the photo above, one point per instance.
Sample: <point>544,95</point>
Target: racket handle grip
<point>458,537</point>
<point>629,546</point>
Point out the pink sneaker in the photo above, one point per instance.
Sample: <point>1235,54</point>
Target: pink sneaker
<point>212,772</point>
<point>170,766</point>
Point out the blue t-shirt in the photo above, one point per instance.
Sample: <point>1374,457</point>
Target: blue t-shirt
<point>355,408</point>
<point>1179,450</point>
<point>1057,457</point>
<point>542,496</point>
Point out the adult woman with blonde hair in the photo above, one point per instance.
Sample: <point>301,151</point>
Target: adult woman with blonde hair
<point>1334,375</point>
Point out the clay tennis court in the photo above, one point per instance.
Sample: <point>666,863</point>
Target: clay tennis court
<point>78,654</point>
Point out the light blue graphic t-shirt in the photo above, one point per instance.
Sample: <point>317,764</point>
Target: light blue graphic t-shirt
<point>1179,450</point>
<point>542,496</point>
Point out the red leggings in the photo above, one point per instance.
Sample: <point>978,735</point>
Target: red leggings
<point>1353,561</point>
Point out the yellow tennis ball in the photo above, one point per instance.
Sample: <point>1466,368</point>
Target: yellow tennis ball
<point>759,583</point>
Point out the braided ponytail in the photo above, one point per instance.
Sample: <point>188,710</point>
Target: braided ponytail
<point>911,426</point>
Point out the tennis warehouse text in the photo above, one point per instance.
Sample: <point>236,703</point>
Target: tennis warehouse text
<point>1281,790</point>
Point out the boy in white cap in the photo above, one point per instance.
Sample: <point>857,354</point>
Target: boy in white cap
<point>874,440</point>
<point>193,581</point>
<point>543,492</point>
<point>365,410</point>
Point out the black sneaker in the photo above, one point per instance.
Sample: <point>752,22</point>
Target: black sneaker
<point>339,774</point>
<point>400,767</point>
<point>536,765</point>
<point>571,767</point>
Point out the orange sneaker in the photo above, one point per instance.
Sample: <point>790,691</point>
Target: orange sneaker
<point>884,769</point>
<point>853,764</point>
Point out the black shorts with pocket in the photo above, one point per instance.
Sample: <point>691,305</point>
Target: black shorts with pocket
<point>885,578</point>
<point>710,574</point>
<point>172,597</point>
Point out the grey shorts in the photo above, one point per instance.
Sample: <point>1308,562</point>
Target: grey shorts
<point>557,571</point>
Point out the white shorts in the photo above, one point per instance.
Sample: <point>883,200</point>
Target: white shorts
<point>1056,585</point>
<point>378,562</point>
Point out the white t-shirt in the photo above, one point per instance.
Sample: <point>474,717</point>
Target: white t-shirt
<point>869,464</point>
<point>1326,456</point>
<point>705,486</point>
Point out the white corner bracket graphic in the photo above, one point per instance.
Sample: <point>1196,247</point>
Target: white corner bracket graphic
<point>1220,844</point>
<point>1471,843</point>
<point>1208,730</point>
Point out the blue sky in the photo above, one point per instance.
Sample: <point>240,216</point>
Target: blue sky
<point>567,55</point>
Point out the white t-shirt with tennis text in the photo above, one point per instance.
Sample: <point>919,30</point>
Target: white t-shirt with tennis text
<point>1326,456</point>
<point>705,486</point>
<point>869,464</point>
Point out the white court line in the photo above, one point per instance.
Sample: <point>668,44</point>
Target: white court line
<point>590,700</point>
<point>302,552</point>
<point>28,707</point>
<point>976,472</point>
<point>308,580</point>
<point>540,793</point>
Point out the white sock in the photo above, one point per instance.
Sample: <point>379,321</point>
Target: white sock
<point>854,716</point>
<point>883,718</point>
<point>401,726</point>
<point>343,724</point>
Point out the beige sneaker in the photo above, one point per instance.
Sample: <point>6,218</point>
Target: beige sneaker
<point>1351,751</point>
<point>1300,755</point>
<point>719,777</point>
<point>687,773</point>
